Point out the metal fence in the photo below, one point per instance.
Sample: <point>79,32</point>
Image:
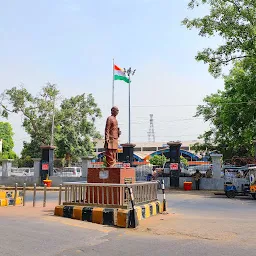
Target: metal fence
<point>112,195</point>
<point>73,171</point>
<point>18,195</point>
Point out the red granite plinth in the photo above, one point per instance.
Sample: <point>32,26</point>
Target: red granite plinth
<point>111,175</point>
<point>108,195</point>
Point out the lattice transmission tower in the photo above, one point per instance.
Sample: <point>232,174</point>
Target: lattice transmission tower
<point>151,132</point>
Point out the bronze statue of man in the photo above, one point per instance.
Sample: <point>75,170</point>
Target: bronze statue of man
<point>112,134</point>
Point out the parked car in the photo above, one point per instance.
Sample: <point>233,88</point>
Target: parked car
<point>22,172</point>
<point>72,171</point>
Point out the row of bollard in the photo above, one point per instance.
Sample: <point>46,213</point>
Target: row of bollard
<point>34,194</point>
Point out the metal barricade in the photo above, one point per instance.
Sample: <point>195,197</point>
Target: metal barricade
<point>109,195</point>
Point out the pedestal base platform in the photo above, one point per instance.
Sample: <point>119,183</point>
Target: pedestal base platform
<point>109,216</point>
<point>113,195</point>
<point>111,175</point>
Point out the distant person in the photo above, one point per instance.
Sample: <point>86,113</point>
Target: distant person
<point>208,174</point>
<point>154,175</point>
<point>149,177</point>
<point>197,176</point>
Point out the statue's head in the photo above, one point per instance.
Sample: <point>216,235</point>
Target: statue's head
<point>114,111</point>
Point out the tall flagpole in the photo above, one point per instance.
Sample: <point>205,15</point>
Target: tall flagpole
<point>129,137</point>
<point>130,73</point>
<point>113,85</point>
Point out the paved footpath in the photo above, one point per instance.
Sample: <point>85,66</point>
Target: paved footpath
<point>196,224</point>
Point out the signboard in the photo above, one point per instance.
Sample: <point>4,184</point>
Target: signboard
<point>126,165</point>
<point>174,166</point>
<point>103,175</point>
<point>45,166</point>
<point>127,180</point>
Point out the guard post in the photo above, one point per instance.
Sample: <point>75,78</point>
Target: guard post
<point>46,162</point>
<point>174,153</point>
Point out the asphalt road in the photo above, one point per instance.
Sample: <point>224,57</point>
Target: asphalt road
<point>196,225</point>
<point>50,196</point>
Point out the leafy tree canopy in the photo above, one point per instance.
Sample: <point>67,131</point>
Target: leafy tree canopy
<point>158,160</point>
<point>74,128</point>
<point>6,134</point>
<point>235,22</point>
<point>184,160</point>
<point>232,113</point>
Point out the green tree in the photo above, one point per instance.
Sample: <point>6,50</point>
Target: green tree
<point>25,162</point>
<point>2,111</point>
<point>74,128</point>
<point>158,160</point>
<point>232,113</point>
<point>235,22</point>
<point>36,111</point>
<point>31,149</point>
<point>184,160</point>
<point>6,134</point>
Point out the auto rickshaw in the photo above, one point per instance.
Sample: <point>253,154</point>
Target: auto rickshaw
<point>231,187</point>
<point>252,179</point>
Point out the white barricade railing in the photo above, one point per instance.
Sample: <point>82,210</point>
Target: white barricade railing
<point>114,195</point>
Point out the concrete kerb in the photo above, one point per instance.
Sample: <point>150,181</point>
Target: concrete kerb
<point>109,216</point>
<point>10,201</point>
<point>8,198</point>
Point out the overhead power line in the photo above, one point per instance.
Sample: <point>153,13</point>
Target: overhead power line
<point>191,105</point>
<point>171,136</point>
<point>159,121</point>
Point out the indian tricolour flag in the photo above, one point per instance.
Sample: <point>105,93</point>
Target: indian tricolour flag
<point>119,74</point>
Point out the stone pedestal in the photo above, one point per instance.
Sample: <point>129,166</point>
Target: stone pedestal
<point>85,165</point>
<point>108,195</point>
<point>128,152</point>
<point>6,167</point>
<point>174,155</point>
<point>111,175</point>
<point>216,165</point>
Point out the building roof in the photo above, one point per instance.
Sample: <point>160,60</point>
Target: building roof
<point>100,143</point>
<point>143,154</point>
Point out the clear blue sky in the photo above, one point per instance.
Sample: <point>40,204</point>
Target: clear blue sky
<point>72,43</point>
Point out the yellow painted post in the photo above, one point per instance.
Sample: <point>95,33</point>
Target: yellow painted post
<point>2,194</point>
<point>97,215</point>
<point>77,212</point>
<point>147,211</point>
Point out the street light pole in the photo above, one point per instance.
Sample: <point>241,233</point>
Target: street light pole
<point>130,73</point>
<point>53,116</point>
<point>129,140</point>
